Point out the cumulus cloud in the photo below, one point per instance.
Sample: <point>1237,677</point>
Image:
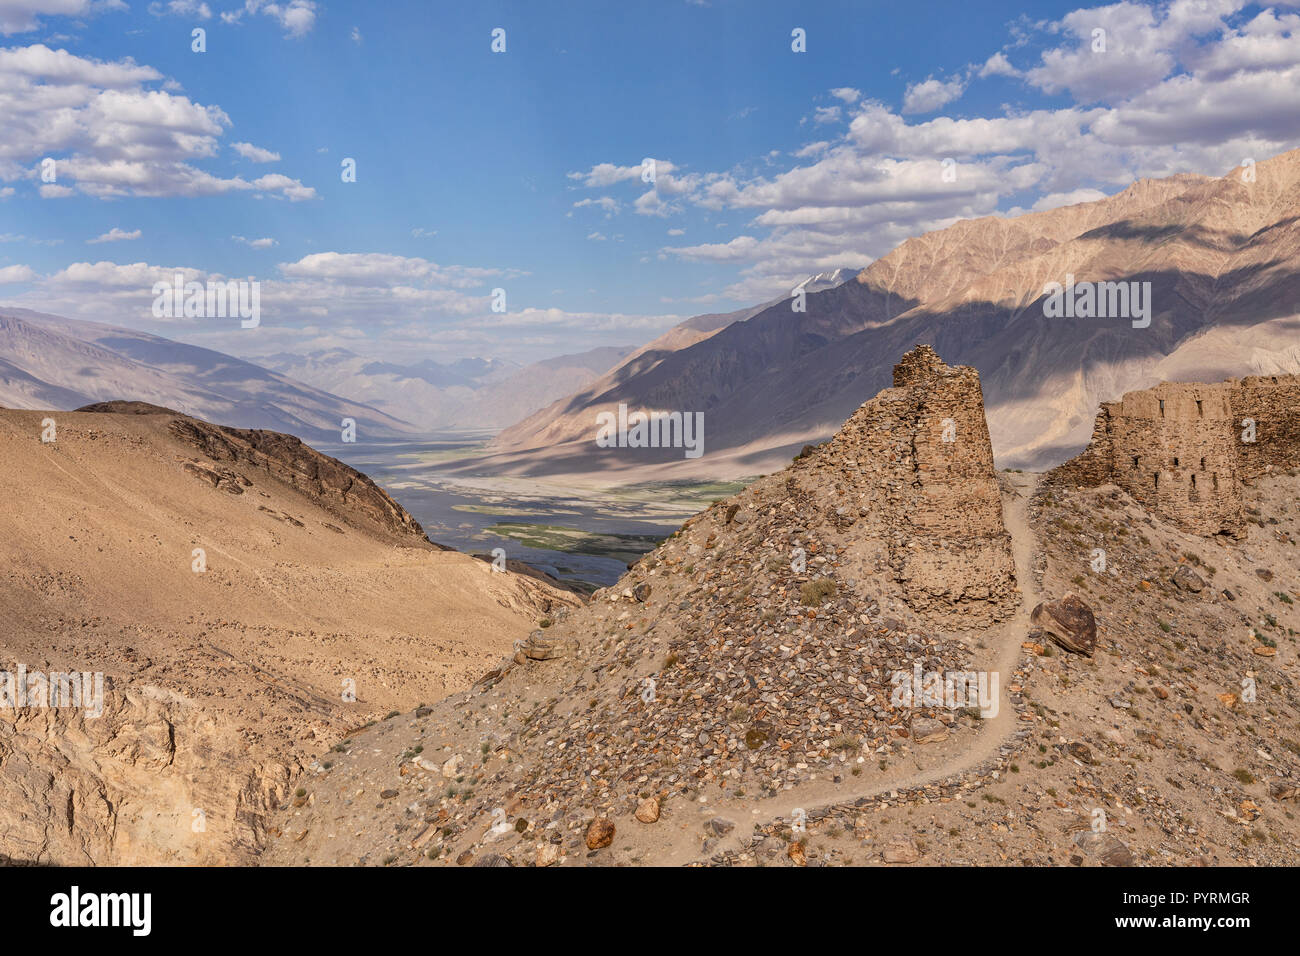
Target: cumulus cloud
<point>255,153</point>
<point>297,17</point>
<point>182,8</point>
<point>998,65</point>
<point>115,235</point>
<point>930,94</point>
<point>266,243</point>
<point>108,133</point>
<point>606,203</point>
<point>13,274</point>
<point>21,16</point>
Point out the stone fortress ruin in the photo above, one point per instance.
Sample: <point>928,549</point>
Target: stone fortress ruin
<point>914,477</point>
<point>1183,450</point>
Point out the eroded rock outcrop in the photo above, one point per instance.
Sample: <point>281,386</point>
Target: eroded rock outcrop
<point>152,779</point>
<point>339,488</point>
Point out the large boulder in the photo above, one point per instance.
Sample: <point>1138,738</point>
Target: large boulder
<point>1104,848</point>
<point>1069,622</point>
<point>600,833</point>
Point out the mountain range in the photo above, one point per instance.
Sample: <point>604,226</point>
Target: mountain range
<point>473,394</point>
<point>1221,254</point>
<point>47,361</point>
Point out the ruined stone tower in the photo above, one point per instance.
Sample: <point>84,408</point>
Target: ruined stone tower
<point>1183,449</point>
<point>918,467</point>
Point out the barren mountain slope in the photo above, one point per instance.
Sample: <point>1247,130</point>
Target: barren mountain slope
<point>719,705</point>
<point>219,684</point>
<point>549,423</point>
<point>1222,255</point>
<point>47,361</point>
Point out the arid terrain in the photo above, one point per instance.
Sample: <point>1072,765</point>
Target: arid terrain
<point>886,652</point>
<point>228,668</point>
<point>734,699</point>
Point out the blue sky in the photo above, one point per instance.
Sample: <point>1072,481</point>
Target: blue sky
<point>522,170</point>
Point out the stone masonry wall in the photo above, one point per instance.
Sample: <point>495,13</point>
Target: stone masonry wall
<point>1272,402</point>
<point>1182,449</point>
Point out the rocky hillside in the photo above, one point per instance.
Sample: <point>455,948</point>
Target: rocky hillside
<point>246,600</point>
<point>1222,256</point>
<point>784,682</point>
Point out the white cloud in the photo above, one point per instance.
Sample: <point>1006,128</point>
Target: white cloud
<point>1126,48</point>
<point>115,235</point>
<point>606,174</point>
<point>847,93</point>
<point>61,68</point>
<point>12,274</point>
<point>109,134</point>
<point>998,65</point>
<point>266,243</point>
<point>1071,198</point>
<point>297,17</point>
<point>928,95</point>
<point>607,203</point>
<point>255,153</point>
<point>289,188</point>
<point>182,8</point>
<point>812,149</point>
<point>20,16</point>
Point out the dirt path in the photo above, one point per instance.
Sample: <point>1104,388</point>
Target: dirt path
<point>1003,640</point>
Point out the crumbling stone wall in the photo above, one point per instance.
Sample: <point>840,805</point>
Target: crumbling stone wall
<point>1183,449</point>
<point>920,477</point>
<point>1272,403</point>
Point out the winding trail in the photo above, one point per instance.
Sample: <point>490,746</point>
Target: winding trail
<point>1003,638</point>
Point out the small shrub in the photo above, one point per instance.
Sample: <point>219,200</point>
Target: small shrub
<point>813,593</point>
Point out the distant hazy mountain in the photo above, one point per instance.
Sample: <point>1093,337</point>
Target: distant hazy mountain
<point>1222,256</point>
<point>550,425</point>
<point>471,393</point>
<point>51,362</point>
